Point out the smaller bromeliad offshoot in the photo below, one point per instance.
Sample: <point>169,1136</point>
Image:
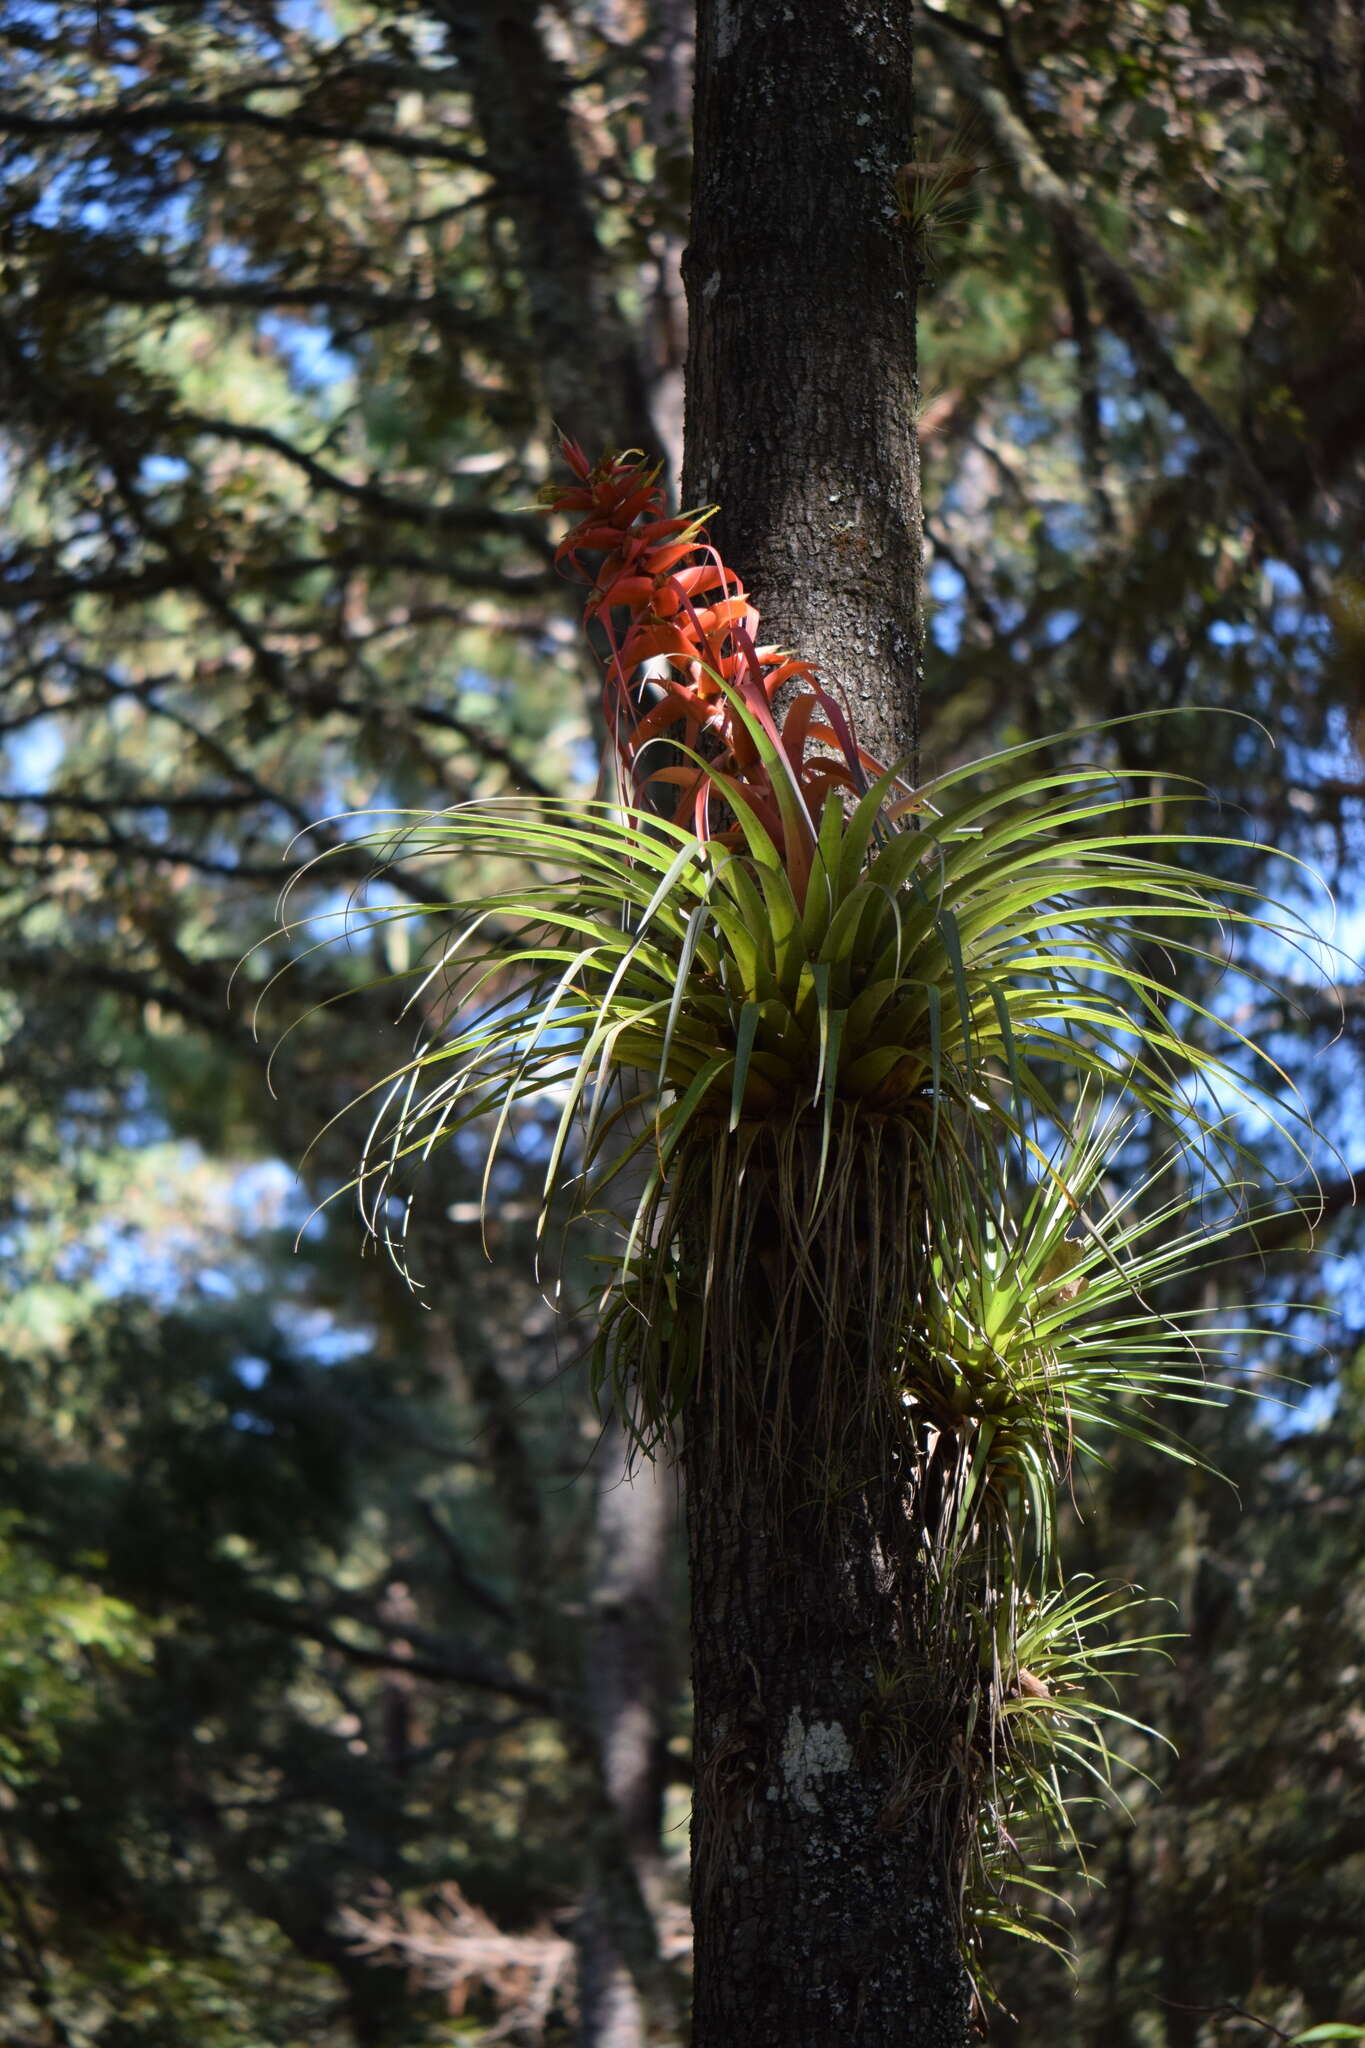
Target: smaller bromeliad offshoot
<point>847,1065</point>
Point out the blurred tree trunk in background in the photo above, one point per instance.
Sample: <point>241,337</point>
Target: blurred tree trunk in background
<point>629,1689</point>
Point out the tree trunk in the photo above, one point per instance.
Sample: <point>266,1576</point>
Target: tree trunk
<point>597,389</point>
<point>822,1879</point>
<point>820,1906</point>
<point>801,388</point>
<point>627,1687</point>
<point>828,1784</point>
<point>590,374</point>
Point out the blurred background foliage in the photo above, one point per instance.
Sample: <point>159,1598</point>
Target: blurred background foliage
<point>342,1681</point>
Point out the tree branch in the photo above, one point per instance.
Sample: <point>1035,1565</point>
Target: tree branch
<point>123,287</point>
<point>471,1583</point>
<point>155,116</point>
<point>145,800</point>
<point>1281,1233</point>
<point>153,580</point>
<point>485,744</point>
<point>15,847</point>
<point>1087,384</point>
<point>36,964</point>
<point>373,496</point>
<point>453,1666</point>
<point>1118,295</point>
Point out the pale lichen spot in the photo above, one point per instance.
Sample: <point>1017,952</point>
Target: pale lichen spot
<point>809,1754</point>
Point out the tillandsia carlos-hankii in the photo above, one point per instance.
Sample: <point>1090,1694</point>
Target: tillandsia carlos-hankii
<point>689,617</point>
<point>862,1054</point>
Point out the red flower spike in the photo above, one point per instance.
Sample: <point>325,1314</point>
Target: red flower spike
<point>663,595</point>
<point>574,456</point>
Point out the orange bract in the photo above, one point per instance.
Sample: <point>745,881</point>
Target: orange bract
<point>662,595</point>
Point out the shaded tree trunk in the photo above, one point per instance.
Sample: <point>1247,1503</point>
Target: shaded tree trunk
<point>822,1889</point>
<point>820,1886</point>
<point>801,391</point>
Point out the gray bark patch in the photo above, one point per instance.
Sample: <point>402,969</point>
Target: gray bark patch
<point>809,1754</point>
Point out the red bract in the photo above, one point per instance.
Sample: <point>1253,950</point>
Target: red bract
<point>662,595</point>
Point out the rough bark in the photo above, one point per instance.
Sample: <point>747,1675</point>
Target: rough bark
<point>820,1893</point>
<point>801,394</point>
<point>834,1772</point>
<point>820,1902</point>
<point>828,1786</point>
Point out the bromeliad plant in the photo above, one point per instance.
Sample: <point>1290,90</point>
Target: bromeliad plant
<point>865,1053</point>
<point>663,597</point>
